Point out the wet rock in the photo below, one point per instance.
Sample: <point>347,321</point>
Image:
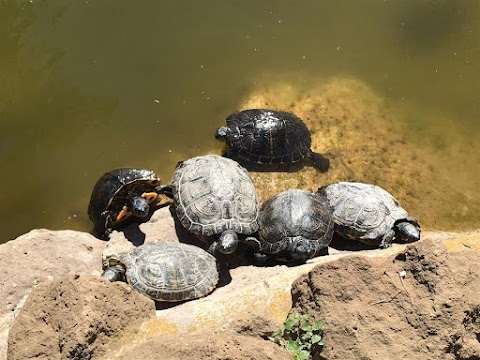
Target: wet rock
<point>74,316</point>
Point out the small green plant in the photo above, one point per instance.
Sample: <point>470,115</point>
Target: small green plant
<point>300,335</point>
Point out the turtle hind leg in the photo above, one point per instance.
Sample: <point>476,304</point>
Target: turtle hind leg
<point>387,240</point>
<point>319,161</point>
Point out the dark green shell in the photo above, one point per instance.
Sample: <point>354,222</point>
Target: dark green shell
<point>295,221</point>
<point>110,193</point>
<point>268,136</point>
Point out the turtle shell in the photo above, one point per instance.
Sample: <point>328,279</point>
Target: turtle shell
<point>363,212</point>
<point>268,136</point>
<point>109,196</point>
<point>213,194</point>
<point>295,216</point>
<point>170,271</point>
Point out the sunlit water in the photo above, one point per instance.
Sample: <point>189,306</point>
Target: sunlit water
<point>89,86</point>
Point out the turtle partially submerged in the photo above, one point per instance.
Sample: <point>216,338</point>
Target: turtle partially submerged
<point>165,271</point>
<point>295,225</point>
<point>122,193</point>
<point>215,198</point>
<point>269,137</point>
<point>369,214</point>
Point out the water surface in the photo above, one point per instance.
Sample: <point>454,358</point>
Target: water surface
<point>89,86</point>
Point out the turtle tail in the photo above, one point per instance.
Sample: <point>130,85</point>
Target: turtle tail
<point>320,162</point>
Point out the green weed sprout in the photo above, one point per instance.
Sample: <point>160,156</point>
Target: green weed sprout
<point>300,335</point>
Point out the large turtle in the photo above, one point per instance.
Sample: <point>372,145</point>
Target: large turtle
<point>121,193</point>
<point>369,214</point>
<point>215,196</point>
<point>295,225</point>
<point>269,137</point>
<point>165,271</point>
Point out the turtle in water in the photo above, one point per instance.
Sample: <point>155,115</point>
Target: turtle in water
<point>369,214</point>
<point>122,193</point>
<point>295,225</point>
<point>214,196</point>
<point>165,271</point>
<point>269,137</point>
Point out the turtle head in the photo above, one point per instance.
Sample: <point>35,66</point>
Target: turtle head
<point>113,269</point>
<point>139,207</point>
<point>228,242</point>
<point>301,249</point>
<point>222,133</point>
<point>408,231</point>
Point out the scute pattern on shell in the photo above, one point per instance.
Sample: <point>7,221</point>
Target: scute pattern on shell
<point>268,136</point>
<point>293,215</point>
<point>363,211</point>
<point>169,271</point>
<point>213,194</point>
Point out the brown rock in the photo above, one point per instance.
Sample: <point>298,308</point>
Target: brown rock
<point>162,226</point>
<point>74,316</point>
<point>207,346</point>
<point>371,312</point>
<point>41,255</point>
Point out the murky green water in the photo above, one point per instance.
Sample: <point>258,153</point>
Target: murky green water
<point>88,86</point>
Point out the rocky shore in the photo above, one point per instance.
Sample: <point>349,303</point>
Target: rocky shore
<point>58,307</point>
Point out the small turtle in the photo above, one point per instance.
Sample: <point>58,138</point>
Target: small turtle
<point>165,271</point>
<point>269,137</point>
<point>121,193</point>
<point>215,196</point>
<point>295,225</point>
<point>369,214</point>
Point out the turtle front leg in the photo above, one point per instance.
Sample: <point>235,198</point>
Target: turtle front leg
<point>166,190</point>
<point>387,239</point>
<point>213,248</point>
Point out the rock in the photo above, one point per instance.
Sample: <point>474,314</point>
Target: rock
<point>39,256</point>
<point>371,311</point>
<point>74,316</point>
<point>217,346</point>
<point>162,226</point>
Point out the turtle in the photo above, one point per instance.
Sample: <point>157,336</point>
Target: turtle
<point>165,271</point>
<point>214,195</point>
<point>295,225</point>
<point>269,137</point>
<point>369,214</point>
<point>121,193</point>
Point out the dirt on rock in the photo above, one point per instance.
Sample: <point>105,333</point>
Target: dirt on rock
<point>423,303</point>
<point>74,316</point>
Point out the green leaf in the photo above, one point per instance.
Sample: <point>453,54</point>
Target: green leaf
<point>306,326</point>
<point>321,342</point>
<point>302,355</point>
<point>292,346</point>
<point>317,326</point>
<point>289,324</point>
<point>316,339</point>
<point>307,336</point>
